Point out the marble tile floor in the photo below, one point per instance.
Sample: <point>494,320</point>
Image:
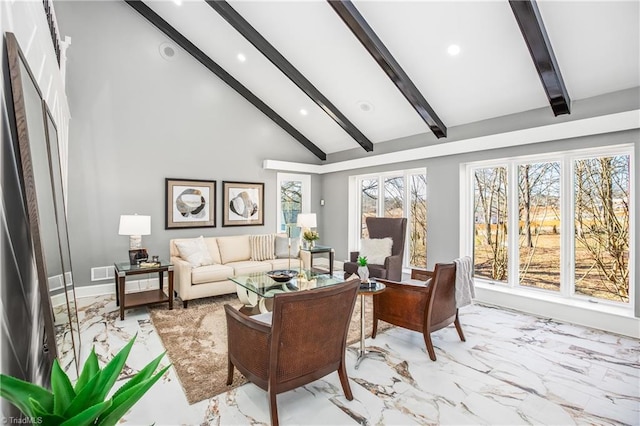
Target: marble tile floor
<point>514,369</point>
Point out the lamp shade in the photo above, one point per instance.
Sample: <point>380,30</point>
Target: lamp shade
<point>135,225</point>
<point>307,220</point>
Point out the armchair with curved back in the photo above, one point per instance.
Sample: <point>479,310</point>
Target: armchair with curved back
<point>383,227</point>
<point>305,341</point>
<point>424,307</point>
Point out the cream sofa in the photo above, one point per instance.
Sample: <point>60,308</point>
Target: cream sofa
<point>230,256</point>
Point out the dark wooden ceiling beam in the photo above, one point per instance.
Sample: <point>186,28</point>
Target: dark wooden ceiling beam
<point>535,36</point>
<point>361,29</point>
<point>205,60</point>
<point>259,42</point>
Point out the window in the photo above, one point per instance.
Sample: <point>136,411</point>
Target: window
<point>539,225</point>
<point>490,243</point>
<point>294,196</point>
<point>571,212</point>
<point>602,192</point>
<point>394,194</point>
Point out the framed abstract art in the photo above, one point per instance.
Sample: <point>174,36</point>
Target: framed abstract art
<point>242,203</point>
<point>190,203</point>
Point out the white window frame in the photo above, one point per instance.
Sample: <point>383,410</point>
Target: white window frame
<point>306,194</point>
<point>355,198</point>
<point>567,212</point>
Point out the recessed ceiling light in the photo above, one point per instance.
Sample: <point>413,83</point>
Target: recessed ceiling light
<point>365,106</point>
<point>178,2</point>
<point>453,49</point>
<point>167,51</point>
<point>241,57</point>
<point>304,112</point>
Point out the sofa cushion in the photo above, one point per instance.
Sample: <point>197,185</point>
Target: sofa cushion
<point>282,247</point>
<point>285,264</point>
<point>210,273</point>
<point>234,249</point>
<point>262,247</point>
<point>376,250</point>
<point>194,251</point>
<point>249,267</point>
<point>212,245</point>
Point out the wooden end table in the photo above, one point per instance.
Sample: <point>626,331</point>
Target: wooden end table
<point>141,298</point>
<point>320,249</point>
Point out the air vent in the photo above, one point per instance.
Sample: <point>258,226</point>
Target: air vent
<point>102,273</point>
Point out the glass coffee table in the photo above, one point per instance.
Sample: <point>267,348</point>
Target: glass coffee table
<point>254,290</point>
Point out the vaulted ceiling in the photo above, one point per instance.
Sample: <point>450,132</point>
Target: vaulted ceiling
<point>340,75</point>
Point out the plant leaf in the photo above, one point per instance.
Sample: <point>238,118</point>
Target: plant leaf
<point>42,416</point>
<point>123,402</point>
<point>62,389</point>
<point>142,375</point>
<point>88,416</point>
<point>18,392</point>
<point>99,386</point>
<point>89,370</point>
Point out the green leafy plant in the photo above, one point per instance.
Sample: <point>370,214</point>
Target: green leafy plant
<point>84,403</point>
<point>362,260</point>
<point>310,235</point>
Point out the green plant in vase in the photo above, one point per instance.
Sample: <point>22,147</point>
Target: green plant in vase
<point>363,269</point>
<point>83,403</point>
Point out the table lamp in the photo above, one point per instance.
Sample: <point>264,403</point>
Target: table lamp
<point>306,221</point>
<point>135,226</point>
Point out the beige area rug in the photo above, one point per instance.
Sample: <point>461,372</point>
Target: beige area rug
<point>196,342</point>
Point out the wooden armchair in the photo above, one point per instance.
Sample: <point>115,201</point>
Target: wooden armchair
<point>305,341</point>
<point>420,307</point>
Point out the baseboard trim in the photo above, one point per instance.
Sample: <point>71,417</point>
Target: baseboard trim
<point>614,322</point>
<point>110,289</point>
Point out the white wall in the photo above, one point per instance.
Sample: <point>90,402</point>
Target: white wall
<point>27,20</point>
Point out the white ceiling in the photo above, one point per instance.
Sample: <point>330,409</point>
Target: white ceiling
<point>597,47</point>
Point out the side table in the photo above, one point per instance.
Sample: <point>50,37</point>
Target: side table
<point>320,249</point>
<point>141,298</point>
<point>364,352</point>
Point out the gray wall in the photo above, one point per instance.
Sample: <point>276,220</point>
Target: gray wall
<point>138,119</point>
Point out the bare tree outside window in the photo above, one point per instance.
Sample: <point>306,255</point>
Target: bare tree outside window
<point>418,221</point>
<point>291,199</point>
<point>490,213</point>
<point>601,189</point>
<point>539,225</point>
<point>368,203</point>
<point>394,197</point>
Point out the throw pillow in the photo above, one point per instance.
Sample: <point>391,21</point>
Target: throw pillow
<point>282,247</point>
<point>194,251</point>
<point>376,249</point>
<point>262,247</point>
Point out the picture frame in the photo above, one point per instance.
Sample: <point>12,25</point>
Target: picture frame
<point>138,255</point>
<point>242,203</point>
<point>190,203</point>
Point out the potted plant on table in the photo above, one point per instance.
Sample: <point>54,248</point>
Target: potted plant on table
<point>310,237</point>
<point>83,403</point>
<point>363,269</point>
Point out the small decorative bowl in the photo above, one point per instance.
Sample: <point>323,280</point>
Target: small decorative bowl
<point>282,275</point>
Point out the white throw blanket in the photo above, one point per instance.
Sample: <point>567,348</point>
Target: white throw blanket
<point>465,291</point>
